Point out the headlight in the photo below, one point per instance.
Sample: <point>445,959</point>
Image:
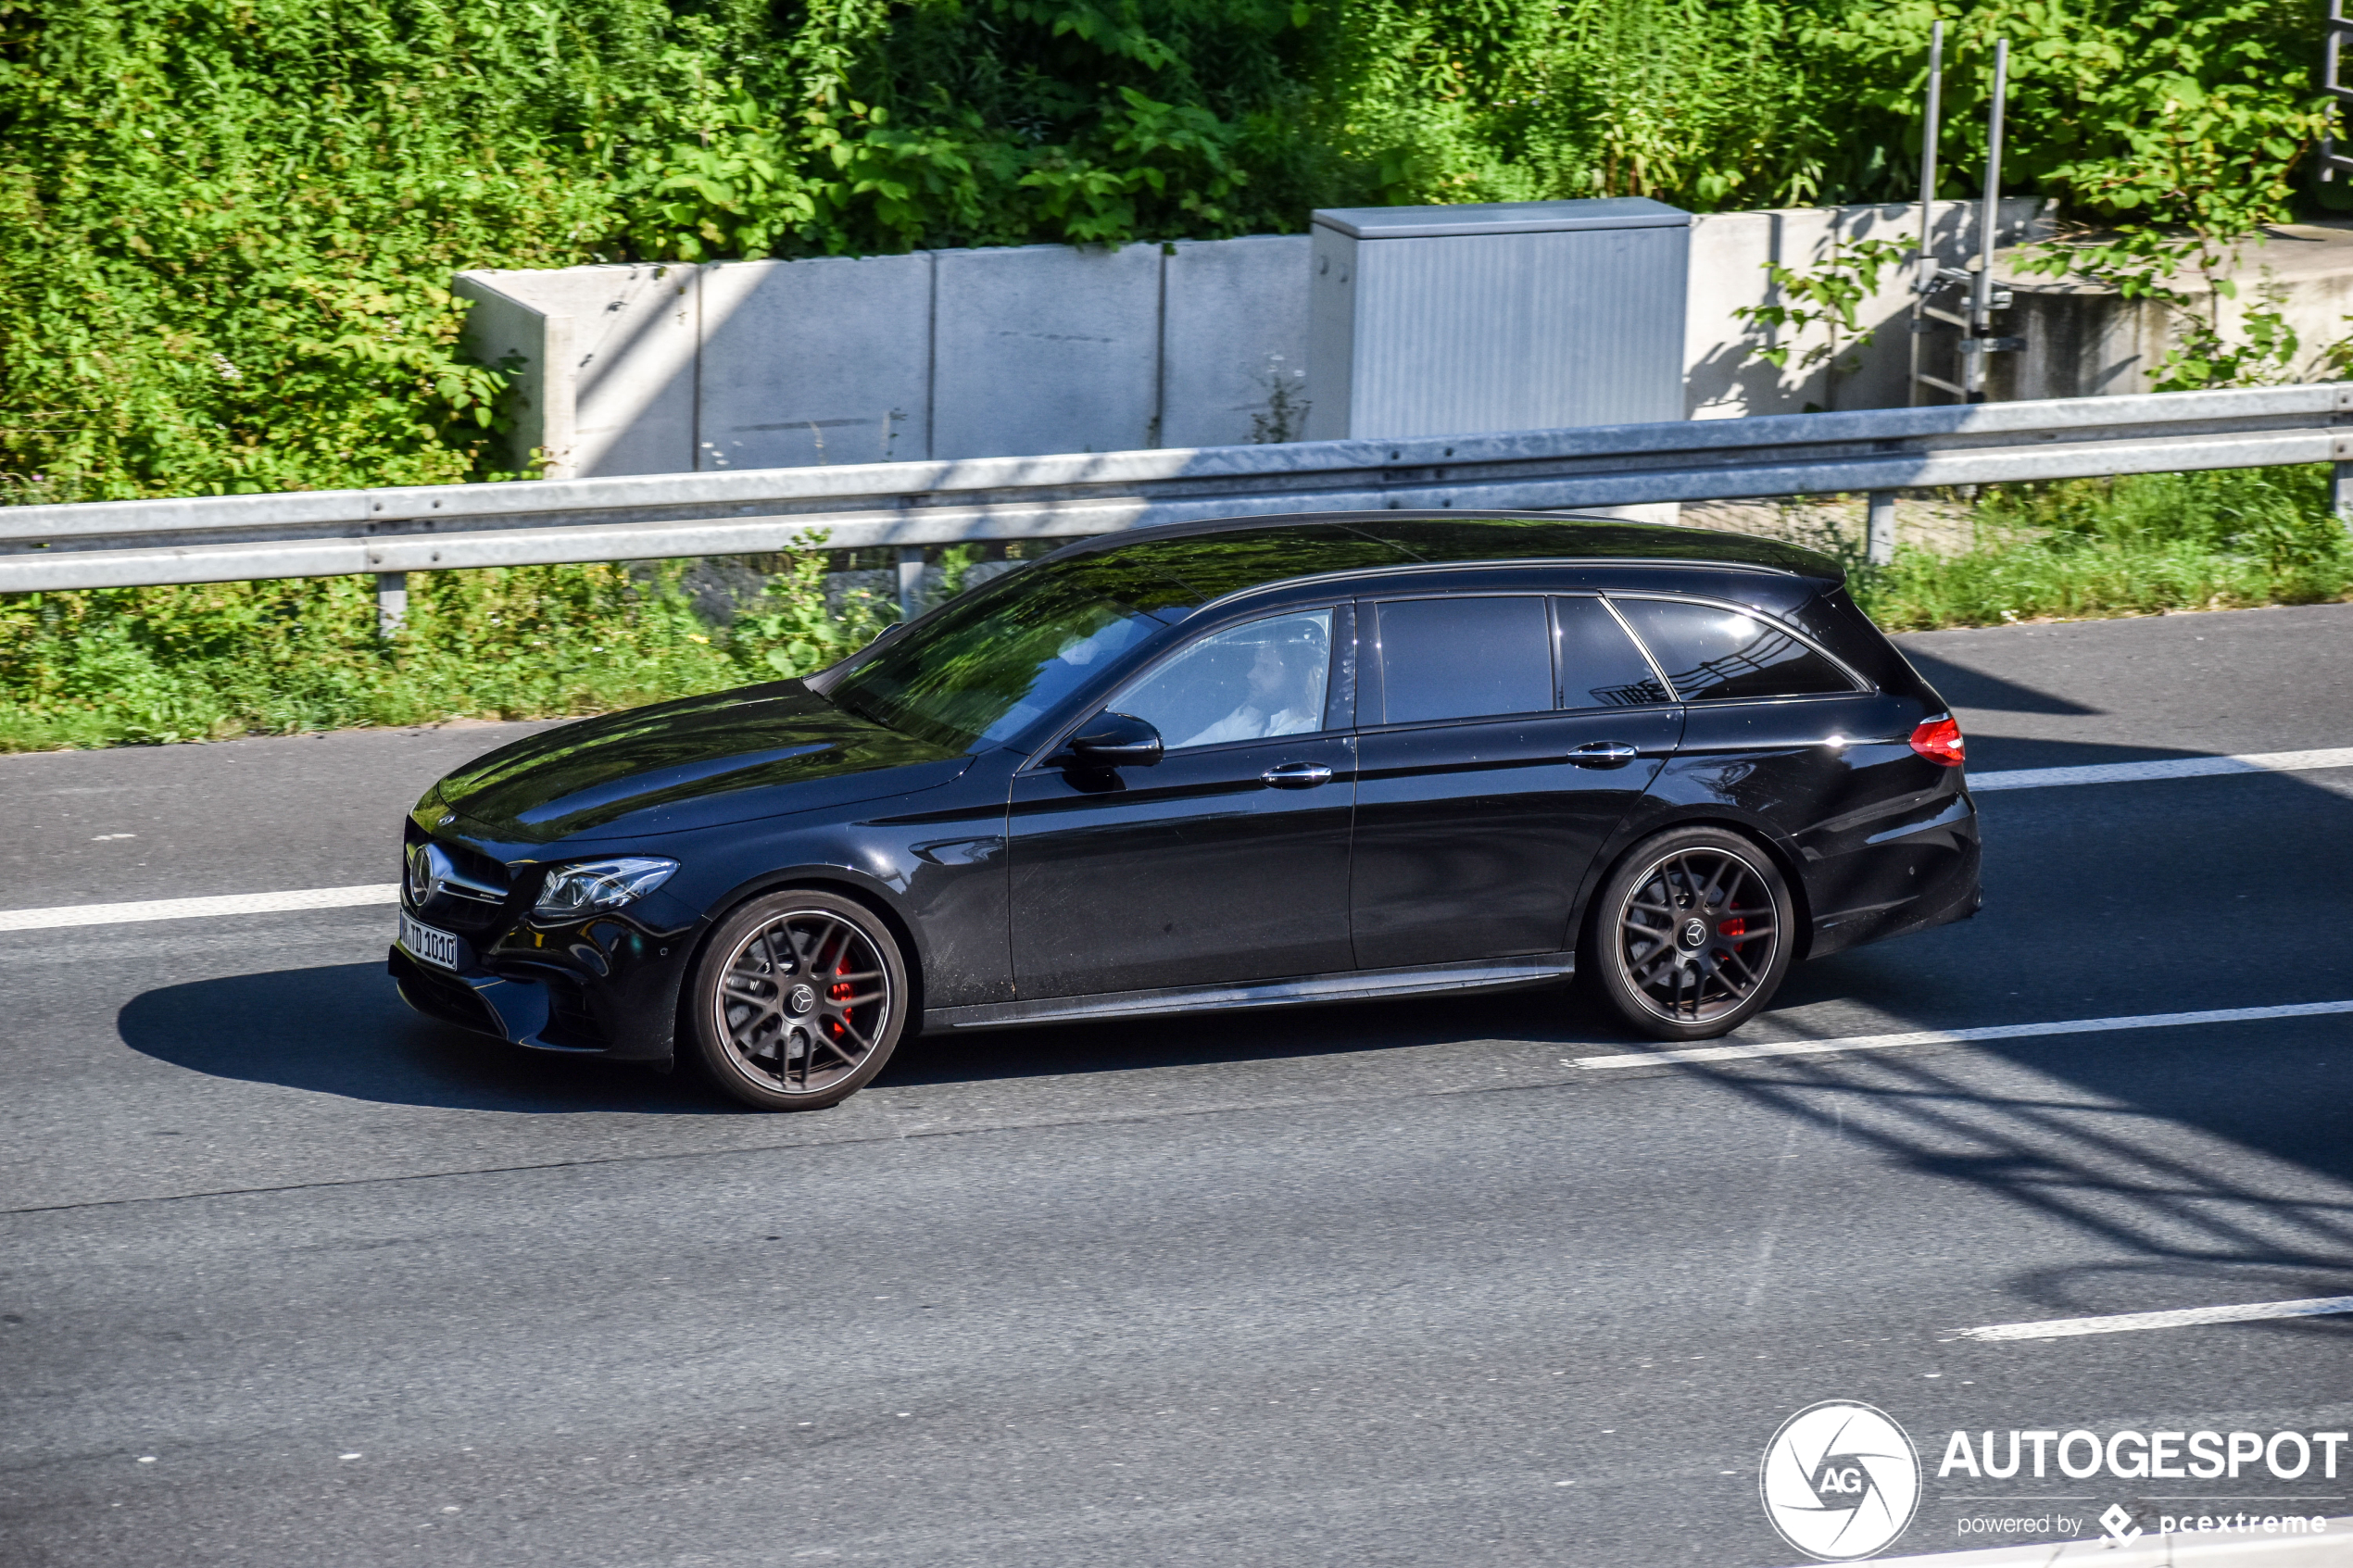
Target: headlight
<point>575,890</point>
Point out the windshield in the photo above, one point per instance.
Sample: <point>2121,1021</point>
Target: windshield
<point>985,667</point>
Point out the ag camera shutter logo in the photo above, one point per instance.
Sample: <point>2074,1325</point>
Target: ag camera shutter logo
<point>1840,1481</point>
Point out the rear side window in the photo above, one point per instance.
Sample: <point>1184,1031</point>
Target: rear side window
<point>1713,654</point>
<point>1463,658</point>
<point>1600,665</point>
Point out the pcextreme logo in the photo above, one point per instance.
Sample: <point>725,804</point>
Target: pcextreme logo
<point>1840,1481</point>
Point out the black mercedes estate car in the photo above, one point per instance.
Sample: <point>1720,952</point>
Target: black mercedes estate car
<point>1215,765</point>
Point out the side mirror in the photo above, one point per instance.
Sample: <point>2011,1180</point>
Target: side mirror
<point>1114,740</point>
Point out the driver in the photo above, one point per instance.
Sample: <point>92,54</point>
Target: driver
<point>1285,695</point>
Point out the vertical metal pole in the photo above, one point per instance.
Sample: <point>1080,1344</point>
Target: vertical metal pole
<point>2341,492</point>
<point>1980,307</point>
<point>2330,84</point>
<point>911,581</point>
<point>1927,275</point>
<point>1882,545</point>
<point>392,601</point>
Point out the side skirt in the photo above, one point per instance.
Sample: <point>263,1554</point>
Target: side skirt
<point>1351,985</point>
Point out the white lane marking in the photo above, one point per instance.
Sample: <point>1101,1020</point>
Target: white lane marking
<point>1958,1037</point>
<point>2168,767</point>
<point>2187,1317</point>
<point>190,908</point>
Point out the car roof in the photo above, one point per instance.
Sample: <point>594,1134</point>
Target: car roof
<point>1205,561</point>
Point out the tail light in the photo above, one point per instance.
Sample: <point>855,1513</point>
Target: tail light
<point>1939,740</point>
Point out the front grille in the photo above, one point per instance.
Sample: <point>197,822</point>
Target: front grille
<point>460,909</point>
<point>474,864</point>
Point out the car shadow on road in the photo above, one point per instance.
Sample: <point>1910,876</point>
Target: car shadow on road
<point>2204,1164</point>
<point>2201,1168</point>
<point>1554,1014</point>
<point>1964,687</point>
<point>342,1030</point>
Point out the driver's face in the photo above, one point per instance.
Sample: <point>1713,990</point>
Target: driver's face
<point>1268,676</point>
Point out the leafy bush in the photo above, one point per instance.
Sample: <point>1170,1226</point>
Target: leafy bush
<point>227,226</point>
<point>218,660</point>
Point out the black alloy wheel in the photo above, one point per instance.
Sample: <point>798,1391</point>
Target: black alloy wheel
<point>1691,935</point>
<point>798,1002</point>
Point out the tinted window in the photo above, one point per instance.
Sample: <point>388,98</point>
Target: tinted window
<point>984,667</point>
<point>1713,653</point>
<point>1263,678</point>
<point>1460,659</point>
<point>1600,665</point>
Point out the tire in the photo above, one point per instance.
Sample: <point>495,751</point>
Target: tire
<point>1674,943</point>
<point>772,1038</point>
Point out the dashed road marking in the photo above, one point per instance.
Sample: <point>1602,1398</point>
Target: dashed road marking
<point>2187,1317</point>
<point>190,908</point>
<point>2165,768</point>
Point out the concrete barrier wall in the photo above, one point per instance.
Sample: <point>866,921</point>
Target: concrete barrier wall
<point>948,354</point>
<point>1233,331</point>
<point>810,362</point>
<point>1731,251</point>
<point>2087,341</point>
<point>1050,348</point>
<point>1045,348</point>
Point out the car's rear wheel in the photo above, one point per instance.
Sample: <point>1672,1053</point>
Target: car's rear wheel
<point>799,1001</point>
<point>1691,935</point>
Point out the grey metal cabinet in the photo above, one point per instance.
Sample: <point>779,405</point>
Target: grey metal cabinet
<point>1441,320</point>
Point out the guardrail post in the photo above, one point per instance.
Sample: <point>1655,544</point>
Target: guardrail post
<point>2341,492</point>
<point>392,601</point>
<point>1882,543</point>
<point>911,581</point>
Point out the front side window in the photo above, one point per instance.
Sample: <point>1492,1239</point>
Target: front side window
<point>1259,679</point>
<point>1463,658</point>
<point>1714,654</point>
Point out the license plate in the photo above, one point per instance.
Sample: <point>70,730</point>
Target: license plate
<point>423,942</point>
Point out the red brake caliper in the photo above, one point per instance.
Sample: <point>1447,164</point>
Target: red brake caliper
<point>839,991</point>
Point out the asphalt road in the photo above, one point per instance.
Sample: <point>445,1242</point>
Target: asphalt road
<point>290,1276</point>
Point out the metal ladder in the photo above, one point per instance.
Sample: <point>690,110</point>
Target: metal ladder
<point>1953,299</point>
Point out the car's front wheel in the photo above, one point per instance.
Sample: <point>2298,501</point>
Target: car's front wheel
<point>1691,935</point>
<point>798,1002</point>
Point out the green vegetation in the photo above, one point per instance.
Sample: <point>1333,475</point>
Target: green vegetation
<point>2141,544</point>
<point>201,663</point>
<point>226,226</point>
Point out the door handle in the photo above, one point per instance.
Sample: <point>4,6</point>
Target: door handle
<point>1297,775</point>
<point>1604,754</point>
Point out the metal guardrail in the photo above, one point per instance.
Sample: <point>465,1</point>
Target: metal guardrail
<point>328,532</point>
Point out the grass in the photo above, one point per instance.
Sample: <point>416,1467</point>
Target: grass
<point>143,665</point>
<point>2141,544</point>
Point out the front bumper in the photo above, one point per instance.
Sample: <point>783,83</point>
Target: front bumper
<point>605,986</point>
